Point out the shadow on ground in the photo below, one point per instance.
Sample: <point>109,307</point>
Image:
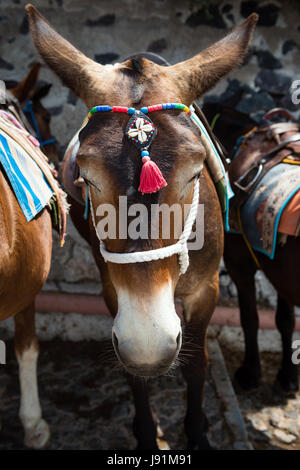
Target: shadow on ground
<point>272,418</point>
<point>87,402</point>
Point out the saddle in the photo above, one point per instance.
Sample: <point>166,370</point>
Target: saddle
<point>261,149</point>
<point>13,126</point>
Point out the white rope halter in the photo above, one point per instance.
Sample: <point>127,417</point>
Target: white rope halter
<point>180,247</point>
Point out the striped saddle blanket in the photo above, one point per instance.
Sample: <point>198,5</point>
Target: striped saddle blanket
<point>29,173</point>
<point>272,208</point>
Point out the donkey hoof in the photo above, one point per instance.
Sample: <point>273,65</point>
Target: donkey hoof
<point>202,444</point>
<point>246,379</point>
<point>288,382</point>
<point>38,437</point>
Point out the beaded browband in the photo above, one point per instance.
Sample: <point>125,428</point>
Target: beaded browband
<point>141,131</point>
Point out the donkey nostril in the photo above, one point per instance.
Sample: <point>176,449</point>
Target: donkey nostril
<point>178,340</point>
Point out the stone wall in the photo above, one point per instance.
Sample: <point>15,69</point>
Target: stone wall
<point>177,29</point>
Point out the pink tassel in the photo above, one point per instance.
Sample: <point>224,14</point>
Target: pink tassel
<point>151,179</point>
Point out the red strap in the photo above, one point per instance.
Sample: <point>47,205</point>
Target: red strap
<point>274,111</point>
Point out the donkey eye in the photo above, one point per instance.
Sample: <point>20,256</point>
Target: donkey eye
<point>194,177</point>
<point>90,183</point>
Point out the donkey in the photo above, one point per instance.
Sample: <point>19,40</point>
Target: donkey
<point>29,94</point>
<point>283,271</point>
<point>147,332</point>
<point>25,258</point>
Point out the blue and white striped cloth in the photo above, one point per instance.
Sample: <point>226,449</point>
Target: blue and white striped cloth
<point>27,180</point>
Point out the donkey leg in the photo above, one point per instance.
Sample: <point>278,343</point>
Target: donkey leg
<point>249,374</point>
<point>198,309</point>
<point>37,433</point>
<point>242,268</point>
<point>196,423</point>
<point>144,423</point>
<point>285,320</point>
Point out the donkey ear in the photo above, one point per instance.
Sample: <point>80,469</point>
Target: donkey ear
<point>197,75</point>
<point>41,91</point>
<point>72,67</point>
<point>23,90</point>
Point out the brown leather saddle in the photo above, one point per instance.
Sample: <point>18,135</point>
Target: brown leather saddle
<point>261,149</point>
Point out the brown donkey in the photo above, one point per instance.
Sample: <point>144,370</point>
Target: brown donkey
<point>25,258</point>
<point>283,271</point>
<point>147,331</point>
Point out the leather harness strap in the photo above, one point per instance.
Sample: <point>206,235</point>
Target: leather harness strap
<point>280,128</point>
<point>292,138</point>
<point>222,151</point>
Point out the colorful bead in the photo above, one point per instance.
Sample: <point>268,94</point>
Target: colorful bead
<point>120,109</point>
<point>144,110</point>
<point>96,109</point>
<point>151,179</point>
<point>103,108</point>
<point>92,111</point>
<point>168,106</point>
<point>155,107</point>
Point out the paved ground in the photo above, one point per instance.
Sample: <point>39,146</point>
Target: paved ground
<point>87,402</point>
<point>272,419</point>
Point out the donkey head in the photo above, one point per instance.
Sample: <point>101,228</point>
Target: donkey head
<point>30,89</point>
<point>147,330</point>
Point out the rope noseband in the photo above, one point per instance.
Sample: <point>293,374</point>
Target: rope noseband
<point>140,131</point>
<point>179,248</point>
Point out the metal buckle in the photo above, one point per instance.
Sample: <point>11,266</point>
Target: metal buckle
<point>244,178</point>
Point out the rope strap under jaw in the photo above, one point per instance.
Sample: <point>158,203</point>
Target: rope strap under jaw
<point>180,247</point>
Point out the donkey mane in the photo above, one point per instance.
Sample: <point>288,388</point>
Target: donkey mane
<point>137,61</point>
